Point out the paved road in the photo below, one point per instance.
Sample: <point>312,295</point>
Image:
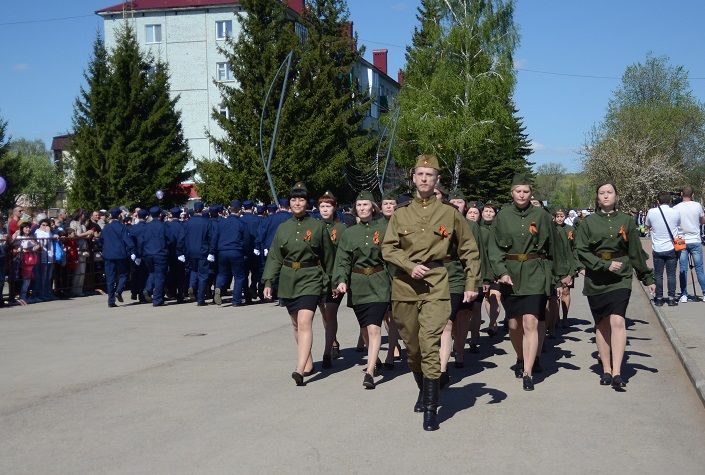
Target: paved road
<point>87,389</point>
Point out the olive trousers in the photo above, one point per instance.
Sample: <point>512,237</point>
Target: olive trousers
<point>420,325</point>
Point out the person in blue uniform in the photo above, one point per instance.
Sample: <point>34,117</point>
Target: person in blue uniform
<point>155,243</point>
<point>252,254</point>
<point>215,214</point>
<point>117,248</point>
<point>139,269</point>
<point>198,244</point>
<point>231,238</point>
<point>176,274</point>
<point>269,231</point>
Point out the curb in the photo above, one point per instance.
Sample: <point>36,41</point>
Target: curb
<point>691,367</point>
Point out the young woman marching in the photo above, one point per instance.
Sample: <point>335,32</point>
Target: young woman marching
<point>389,203</point>
<point>493,296</point>
<point>524,262</point>
<point>608,245</point>
<point>473,215</point>
<point>327,207</point>
<point>566,234</point>
<point>360,270</point>
<point>301,257</point>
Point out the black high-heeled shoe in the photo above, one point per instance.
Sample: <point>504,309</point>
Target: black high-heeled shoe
<point>606,379</point>
<point>368,381</point>
<point>519,369</point>
<point>327,362</point>
<point>528,383</point>
<point>617,382</point>
<point>298,378</point>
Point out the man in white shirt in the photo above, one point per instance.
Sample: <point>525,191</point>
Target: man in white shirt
<point>664,222</point>
<point>692,216</point>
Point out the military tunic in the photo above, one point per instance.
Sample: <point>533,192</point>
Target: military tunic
<point>566,234</point>
<point>298,245</point>
<point>523,232</point>
<point>421,232</point>
<point>335,231</point>
<point>359,247</point>
<point>600,235</point>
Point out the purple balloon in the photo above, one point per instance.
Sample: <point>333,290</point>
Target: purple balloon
<point>3,185</point>
<point>160,194</point>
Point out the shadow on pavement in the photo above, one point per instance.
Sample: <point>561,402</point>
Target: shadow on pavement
<point>456,399</point>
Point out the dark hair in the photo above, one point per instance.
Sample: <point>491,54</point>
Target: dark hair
<point>299,193</point>
<point>687,191</point>
<point>45,221</point>
<point>24,224</point>
<point>600,185</point>
<point>77,215</point>
<point>664,198</point>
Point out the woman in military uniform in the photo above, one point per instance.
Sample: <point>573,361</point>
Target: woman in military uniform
<point>493,297</point>
<point>474,215</point>
<point>360,270</point>
<point>566,235</point>
<point>389,204</point>
<point>524,261</point>
<point>301,257</point>
<point>328,207</point>
<point>608,245</point>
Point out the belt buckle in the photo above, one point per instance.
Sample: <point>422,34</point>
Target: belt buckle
<point>522,257</point>
<point>606,255</point>
<point>296,265</point>
<point>368,271</point>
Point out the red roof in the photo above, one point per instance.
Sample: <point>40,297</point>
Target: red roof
<point>164,5</point>
<point>61,142</point>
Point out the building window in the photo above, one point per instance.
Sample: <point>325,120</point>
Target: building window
<point>224,111</point>
<point>223,72</point>
<point>301,32</point>
<point>223,29</point>
<point>154,33</point>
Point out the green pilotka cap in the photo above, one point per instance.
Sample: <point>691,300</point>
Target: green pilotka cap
<point>389,195</point>
<point>428,161</point>
<point>365,195</point>
<point>457,195</point>
<point>558,209</point>
<point>521,179</point>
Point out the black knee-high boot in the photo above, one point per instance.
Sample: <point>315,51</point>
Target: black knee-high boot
<point>431,388</point>
<point>418,407</point>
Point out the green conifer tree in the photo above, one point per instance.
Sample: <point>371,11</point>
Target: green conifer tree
<point>321,121</point>
<point>128,142</point>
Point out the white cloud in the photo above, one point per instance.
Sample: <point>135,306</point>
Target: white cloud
<point>520,63</point>
<point>399,7</point>
<point>537,146</point>
<point>20,67</point>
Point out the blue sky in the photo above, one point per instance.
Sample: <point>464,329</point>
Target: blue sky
<point>42,62</point>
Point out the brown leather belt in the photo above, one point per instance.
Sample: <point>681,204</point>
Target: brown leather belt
<point>524,257</point>
<point>367,270</point>
<point>296,265</point>
<point>609,255</point>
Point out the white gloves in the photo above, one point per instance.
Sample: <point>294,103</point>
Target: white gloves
<point>256,252</point>
<point>210,258</point>
<point>133,257</point>
<point>138,261</point>
<point>181,258</point>
<point>266,251</point>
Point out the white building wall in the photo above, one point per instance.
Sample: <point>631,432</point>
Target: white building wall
<point>190,48</point>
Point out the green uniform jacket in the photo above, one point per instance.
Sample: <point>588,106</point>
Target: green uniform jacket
<point>335,230</point>
<point>421,232</point>
<point>300,240</point>
<point>512,230</point>
<point>456,276</point>
<point>485,237</point>
<point>567,234</point>
<point>601,232</point>
<point>360,247</point>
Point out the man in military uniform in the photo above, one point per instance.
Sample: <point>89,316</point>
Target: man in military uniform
<point>117,247</point>
<point>176,277</point>
<point>231,237</point>
<point>200,252</point>
<point>139,271</point>
<point>154,247</point>
<point>252,222</point>
<point>417,242</point>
